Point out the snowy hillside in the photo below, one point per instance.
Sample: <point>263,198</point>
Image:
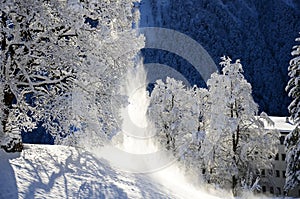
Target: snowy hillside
<point>51,171</point>
<point>260,33</point>
<point>44,171</point>
<point>47,171</point>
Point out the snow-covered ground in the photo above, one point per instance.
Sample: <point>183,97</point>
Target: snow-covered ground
<point>48,171</point>
<point>51,171</point>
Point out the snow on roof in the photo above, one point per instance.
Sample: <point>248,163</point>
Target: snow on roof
<point>281,124</point>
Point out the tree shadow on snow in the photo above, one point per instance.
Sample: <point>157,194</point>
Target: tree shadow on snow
<point>109,181</point>
<point>78,175</point>
<point>65,172</point>
<point>8,187</point>
<point>103,184</point>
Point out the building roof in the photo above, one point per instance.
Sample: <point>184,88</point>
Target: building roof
<point>281,124</point>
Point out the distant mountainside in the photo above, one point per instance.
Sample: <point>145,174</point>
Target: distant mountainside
<point>260,33</point>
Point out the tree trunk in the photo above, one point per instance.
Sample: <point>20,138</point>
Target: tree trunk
<point>12,143</point>
<point>234,148</point>
<point>235,141</point>
<point>234,184</point>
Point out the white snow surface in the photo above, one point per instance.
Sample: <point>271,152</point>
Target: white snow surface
<point>51,171</point>
<point>281,124</point>
<point>45,171</point>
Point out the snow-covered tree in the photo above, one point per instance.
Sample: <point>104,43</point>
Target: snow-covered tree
<point>57,53</point>
<point>111,48</point>
<point>236,142</point>
<point>35,67</point>
<point>294,84</point>
<point>292,141</point>
<point>177,113</point>
<point>165,110</point>
<point>194,134</point>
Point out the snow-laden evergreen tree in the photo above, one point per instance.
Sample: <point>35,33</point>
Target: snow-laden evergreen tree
<point>236,142</point>
<point>58,54</point>
<point>292,140</point>
<point>177,113</point>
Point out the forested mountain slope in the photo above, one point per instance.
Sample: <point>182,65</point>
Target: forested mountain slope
<point>260,33</point>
